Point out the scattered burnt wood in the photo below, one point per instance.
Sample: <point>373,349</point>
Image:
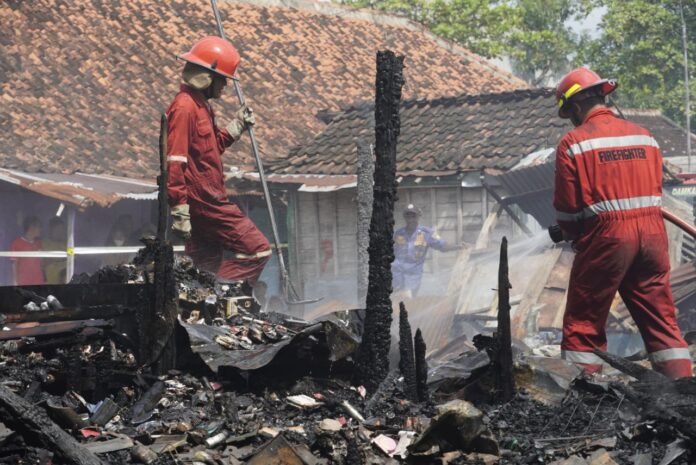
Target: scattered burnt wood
<point>639,372</point>
<point>407,364</point>
<point>372,361</point>
<point>67,314</point>
<point>421,368</point>
<point>37,429</point>
<point>49,329</point>
<point>671,410</point>
<point>504,378</point>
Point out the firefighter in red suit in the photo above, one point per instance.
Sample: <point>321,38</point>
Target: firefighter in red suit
<point>608,193</point>
<point>219,237</point>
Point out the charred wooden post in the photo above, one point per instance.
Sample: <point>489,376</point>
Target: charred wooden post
<point>37,429</point>
<point>407,364</point>
<point>639,372</point>
<point>421,368</point>
<point>157,346</point>
<point>372,361</point>
<point>162,197</point>
<point>505,382</point>
<point>365,171</point>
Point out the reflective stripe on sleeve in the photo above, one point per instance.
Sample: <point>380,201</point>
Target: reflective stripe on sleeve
<point>666,355</point>
<point>177,158</point>
<point>581,357</point>
<point>609,142</point>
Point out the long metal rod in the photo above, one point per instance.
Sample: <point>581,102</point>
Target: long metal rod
<point>687,104</point>
<point>284,278</point>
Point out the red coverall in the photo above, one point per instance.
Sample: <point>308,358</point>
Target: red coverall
<point>608,194</point>
<point>223,240</point>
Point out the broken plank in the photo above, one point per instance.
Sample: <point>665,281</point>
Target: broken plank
<point>488,227</point>
<point>524,322</point>
<point>49,329</point>
<point>64,314</point>
<point>37,429</point>
<point>110,445</point>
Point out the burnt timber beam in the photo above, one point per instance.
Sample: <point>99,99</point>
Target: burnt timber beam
<point>37,429</point>
<point>505,381</point>
<point>372,360</point>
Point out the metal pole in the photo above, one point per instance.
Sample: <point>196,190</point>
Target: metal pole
<point>686,87</point>
<point>70,260</point>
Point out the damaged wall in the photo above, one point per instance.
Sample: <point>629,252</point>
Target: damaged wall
<point>325,246</point>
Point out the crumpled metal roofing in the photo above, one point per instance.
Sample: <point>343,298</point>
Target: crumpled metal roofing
<point>82,189</point>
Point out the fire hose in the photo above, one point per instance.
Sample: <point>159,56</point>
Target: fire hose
<point>289,292</point>
<point>557,235</point>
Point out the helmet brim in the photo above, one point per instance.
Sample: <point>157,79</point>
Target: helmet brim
<point>190,58</point>
<point>608,86</point>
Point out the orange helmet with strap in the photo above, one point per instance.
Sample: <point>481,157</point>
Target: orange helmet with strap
<point>215,54</point>
<point>580,80</point>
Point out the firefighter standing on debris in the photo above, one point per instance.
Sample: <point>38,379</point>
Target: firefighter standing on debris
<point>411,244</point>
<point>219,237</point>
<point>608,197</point>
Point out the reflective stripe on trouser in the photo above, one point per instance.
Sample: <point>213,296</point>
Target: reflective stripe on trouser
<point>629,256</point>
<point>225,242</point>
<point>589,362</point>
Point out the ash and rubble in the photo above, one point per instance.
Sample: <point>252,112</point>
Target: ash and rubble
<point>251,387</point>
<point>157,363</point>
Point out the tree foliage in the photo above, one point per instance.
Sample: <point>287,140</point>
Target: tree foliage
<point>542,44</point>
<point>638,42</point>
<point>641,45</point>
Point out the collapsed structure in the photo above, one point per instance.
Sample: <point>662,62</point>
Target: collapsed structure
<point>155,362</point>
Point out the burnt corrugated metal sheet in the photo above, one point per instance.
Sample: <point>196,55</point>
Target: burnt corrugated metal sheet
<point>531,188</point>
<point>82,189</point>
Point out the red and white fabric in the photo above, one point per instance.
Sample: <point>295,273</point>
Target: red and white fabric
<point>608,194</point>
<point>223,240</point>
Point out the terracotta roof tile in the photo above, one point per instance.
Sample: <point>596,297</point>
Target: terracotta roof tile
<point>452,133</point>
<point>82,82</point>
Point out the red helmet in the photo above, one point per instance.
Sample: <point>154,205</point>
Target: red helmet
<point>579,80</point>
<point>215,54</point>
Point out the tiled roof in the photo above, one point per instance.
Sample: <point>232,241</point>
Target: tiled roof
<point>491,131</point>
<point>82,82</point>
<point>454,133</point>
<point>670,135</point>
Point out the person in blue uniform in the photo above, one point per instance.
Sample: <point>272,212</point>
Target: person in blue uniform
<point>411,244</point>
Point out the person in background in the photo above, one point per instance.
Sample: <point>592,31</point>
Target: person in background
<point>411,244</point>
<point>27,271</point>
<point>54,268</point>
<point>117,238</point>
<point>125,222</point>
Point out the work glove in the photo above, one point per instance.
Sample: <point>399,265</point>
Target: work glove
<point>181,221</point>
<point>243,120</point>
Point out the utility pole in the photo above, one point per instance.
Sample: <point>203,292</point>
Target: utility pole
<point>686,87</point>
